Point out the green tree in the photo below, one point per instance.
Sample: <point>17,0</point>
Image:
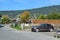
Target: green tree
<point>53,15</point>
<point>0,16</point>
<point>42,16</point>
<point>5,19</point>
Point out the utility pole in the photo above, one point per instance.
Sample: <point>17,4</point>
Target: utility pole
<point>35,16</point>
<point>0,16</point>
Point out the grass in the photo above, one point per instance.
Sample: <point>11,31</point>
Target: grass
<point>18,27</point>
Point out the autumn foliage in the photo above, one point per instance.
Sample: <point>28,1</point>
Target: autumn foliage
<point>25,16</point>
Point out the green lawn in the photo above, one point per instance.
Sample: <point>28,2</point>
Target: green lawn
<point>18,27</point>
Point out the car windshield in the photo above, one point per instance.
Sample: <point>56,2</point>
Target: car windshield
<point>45,25</point>
<point>42,25</point>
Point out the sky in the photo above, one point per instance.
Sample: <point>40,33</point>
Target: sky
<point>26,4</point>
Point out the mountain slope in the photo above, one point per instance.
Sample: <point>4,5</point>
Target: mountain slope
<point>45,10</point>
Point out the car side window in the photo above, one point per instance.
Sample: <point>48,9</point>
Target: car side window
<point>42,25</point>
<point>48,25</point>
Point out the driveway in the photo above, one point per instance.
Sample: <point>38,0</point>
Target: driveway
<point>8,34</point>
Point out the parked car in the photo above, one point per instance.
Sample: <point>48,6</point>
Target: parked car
<point>57,34</point>
<point>42,28</point>
<point>1,25</point>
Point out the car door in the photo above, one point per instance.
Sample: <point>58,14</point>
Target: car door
<point>42,26</point>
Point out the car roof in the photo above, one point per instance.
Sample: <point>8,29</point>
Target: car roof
<point>45,24</point>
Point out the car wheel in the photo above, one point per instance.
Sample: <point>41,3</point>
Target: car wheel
<point>32,30</point>
<point>37,30</point>
<point>54,36</point>
<point>51,30</point>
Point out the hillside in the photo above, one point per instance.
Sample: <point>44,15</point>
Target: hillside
<point>44,10</point>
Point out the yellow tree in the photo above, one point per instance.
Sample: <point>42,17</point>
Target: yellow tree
<point>4,16</point>
<point>25,16</point>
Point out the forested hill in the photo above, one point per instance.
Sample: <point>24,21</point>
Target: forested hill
<point>45,10</point>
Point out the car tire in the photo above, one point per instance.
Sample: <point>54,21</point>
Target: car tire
<point>51,30</point>
<point>33,30</point>
<point>37,30</point>
<point>54,36</point>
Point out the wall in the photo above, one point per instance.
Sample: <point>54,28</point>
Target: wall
<point>37,21</point>
<point>55,23</point>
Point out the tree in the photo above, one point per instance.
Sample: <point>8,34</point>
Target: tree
<point>18,15</point>
<point>25,16</point>
<point>0,16</point>
<point>53,15</point>
<point>42,16</point>
<point>5,19</point>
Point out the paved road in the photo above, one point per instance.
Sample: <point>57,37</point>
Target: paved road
<point>7,34</point>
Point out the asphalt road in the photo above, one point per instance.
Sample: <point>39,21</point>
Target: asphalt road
<point>8,34</point>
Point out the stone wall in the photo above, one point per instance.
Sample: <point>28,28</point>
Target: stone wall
<point>55,23</point>
<point>37,21</point>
